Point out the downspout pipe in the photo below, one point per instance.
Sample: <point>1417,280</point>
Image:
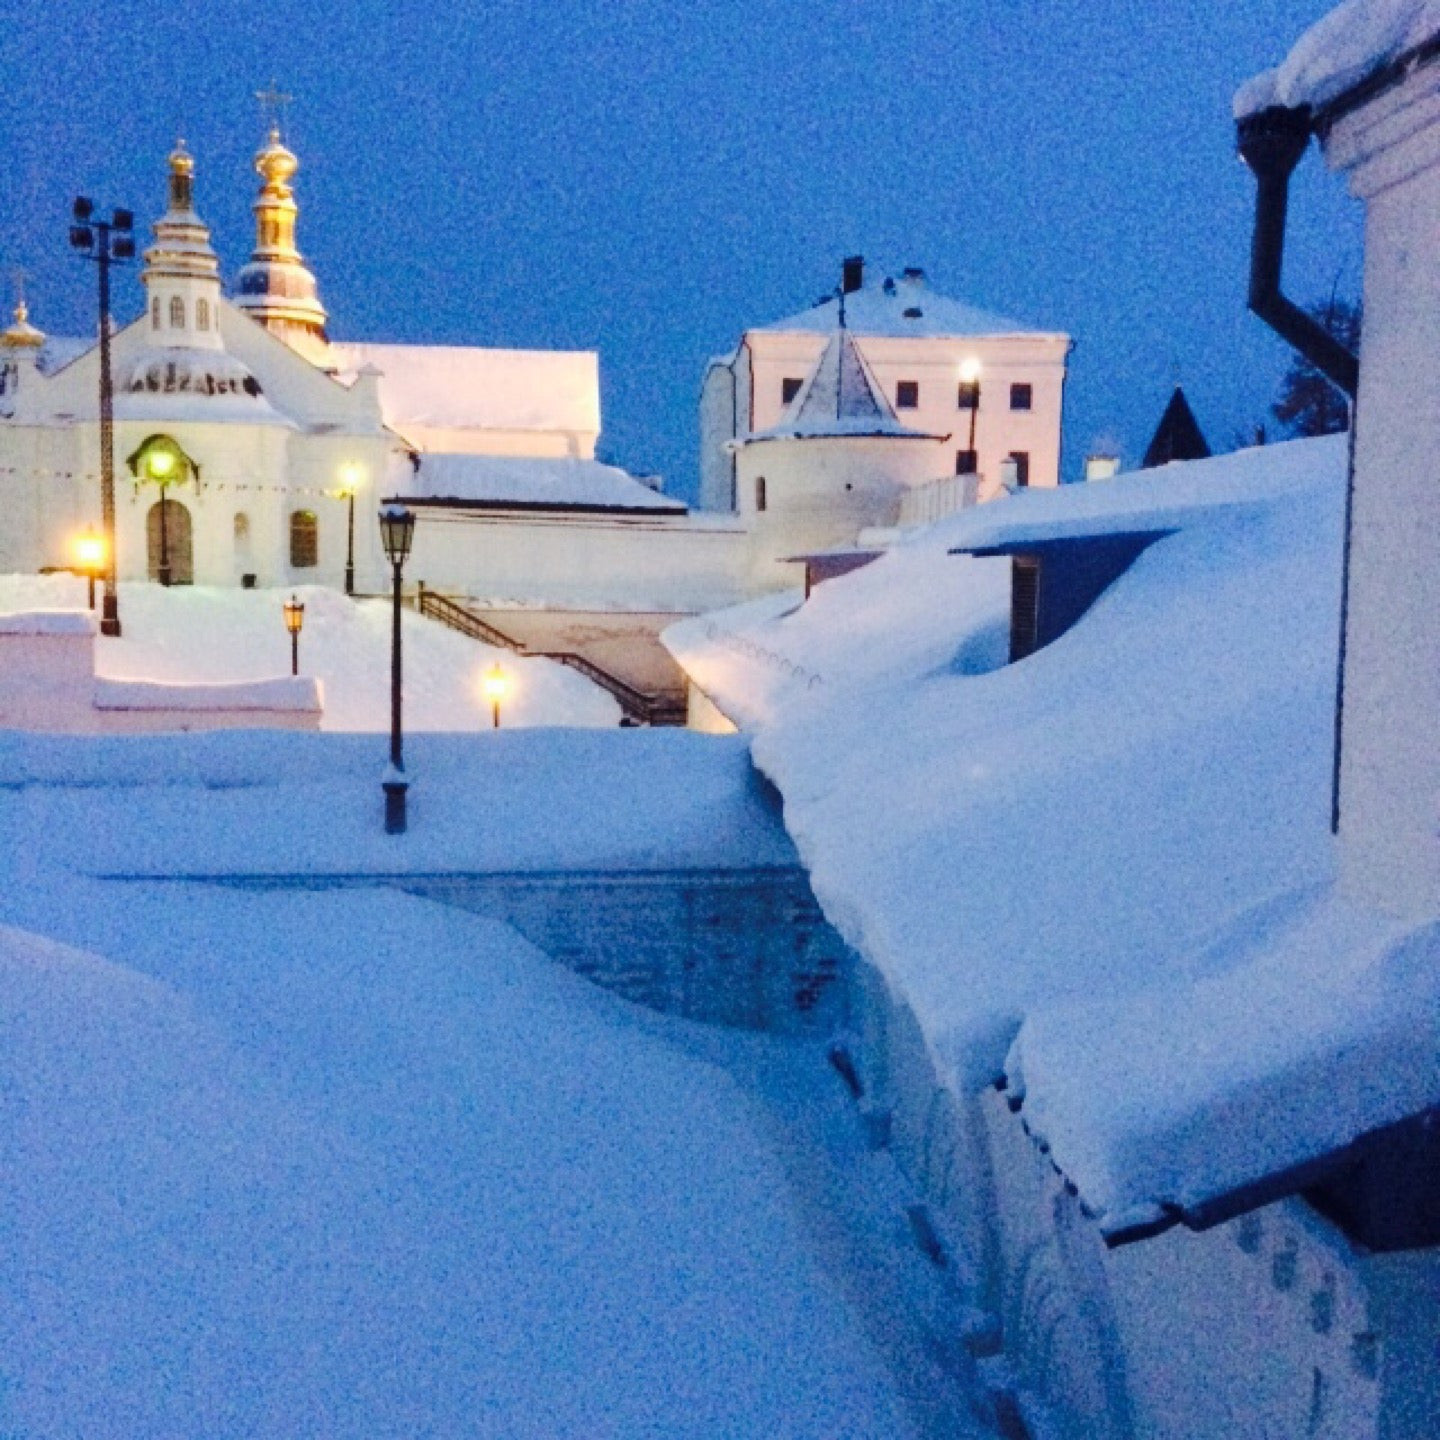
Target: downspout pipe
<point>1271,143</point>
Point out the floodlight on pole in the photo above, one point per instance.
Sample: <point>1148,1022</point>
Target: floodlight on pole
<point>106,242</point>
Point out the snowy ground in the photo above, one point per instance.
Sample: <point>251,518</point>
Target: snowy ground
<point>203,633</point>
<point>352,1163</point>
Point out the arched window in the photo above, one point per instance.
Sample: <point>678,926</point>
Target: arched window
<point>155,313</point>
<point>304,540</point>
<point>202,314</point>
<point>177,313</point>
<point>759,492</point>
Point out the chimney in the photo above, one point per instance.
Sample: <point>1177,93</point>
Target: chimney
<point>852,274</point>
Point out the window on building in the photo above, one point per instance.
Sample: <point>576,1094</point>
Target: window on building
<point>1022,466</point>
<point>907,394</point>
<point>759,492</point>
<point>155,313</point>
<point>1021,397</point>
<point>202,314</point>
<point>304,540</point>
<point>967,462</point>
<point>177,313</point>
<point>789,389</point>
<point>968,396</point>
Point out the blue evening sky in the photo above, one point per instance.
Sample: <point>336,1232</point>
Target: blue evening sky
<point>648,178</point>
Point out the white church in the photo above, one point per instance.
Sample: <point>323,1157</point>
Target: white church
<point>884,406</point>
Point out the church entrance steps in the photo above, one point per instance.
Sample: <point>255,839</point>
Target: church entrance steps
<point>620,652</point>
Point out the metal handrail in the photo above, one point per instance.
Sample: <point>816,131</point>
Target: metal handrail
<point>637,705</point>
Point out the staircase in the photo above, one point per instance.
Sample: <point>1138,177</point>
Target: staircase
<point>639,706</point>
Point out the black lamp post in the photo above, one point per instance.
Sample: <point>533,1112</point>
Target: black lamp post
<point>350,477</point>
<point>105,242</point>
<point>294,619</point>
<point>397,530</point>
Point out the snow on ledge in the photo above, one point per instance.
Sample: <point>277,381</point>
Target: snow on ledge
<point>299,694</point>
<point>1352,43</point>
<point>48,622</point>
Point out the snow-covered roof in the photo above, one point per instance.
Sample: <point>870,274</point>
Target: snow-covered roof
<point>904,307</point>
<point>1131,808</point>
<point>466,388</point>
<point>839,399</point>
<point>551,483</point>
<point>1352,44</point>
<point>58,351</point>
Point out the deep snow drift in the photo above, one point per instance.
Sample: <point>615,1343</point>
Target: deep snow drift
<point>192,633</point>
<point>1115,855</point>
<point>354,1164</point>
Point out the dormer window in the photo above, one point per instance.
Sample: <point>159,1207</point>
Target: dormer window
<point>202,314</point>
<point>177,313</point>
<point>789,388</point>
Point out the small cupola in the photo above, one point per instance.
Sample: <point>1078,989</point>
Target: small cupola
<point>182,274</point>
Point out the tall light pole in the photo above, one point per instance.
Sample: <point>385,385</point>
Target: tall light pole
<point>90,558</point>
<point>105,242</point>
<point>397,530</point>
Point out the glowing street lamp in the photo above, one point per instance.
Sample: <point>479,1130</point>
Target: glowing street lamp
<point>397,531</point>
<point>495,685</point>
<point>294,620</point>
<point>89,550</point>
<point>970,395</point>
<point>351,478</point>
<point>162,462</point>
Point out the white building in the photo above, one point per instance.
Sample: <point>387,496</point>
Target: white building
<point>814,432</point>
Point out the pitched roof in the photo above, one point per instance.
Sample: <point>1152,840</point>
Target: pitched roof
<point>903,307</point>
<point>1177,437</point>
<point>840,399</point>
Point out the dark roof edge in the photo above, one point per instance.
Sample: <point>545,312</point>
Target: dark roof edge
<point>1386,78</point>
<point>581,507</point>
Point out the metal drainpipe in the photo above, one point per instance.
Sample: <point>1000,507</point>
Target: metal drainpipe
<point>1271,143</point>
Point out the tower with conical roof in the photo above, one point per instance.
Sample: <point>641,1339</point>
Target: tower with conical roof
<point>277,288</point>
<point>181,274</point>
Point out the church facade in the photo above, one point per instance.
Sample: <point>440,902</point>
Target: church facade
<point>846,419</point>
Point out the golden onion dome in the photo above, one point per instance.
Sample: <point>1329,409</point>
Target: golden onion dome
<point>275,163</point>
<point>22,335</point>
<point>182,162</point>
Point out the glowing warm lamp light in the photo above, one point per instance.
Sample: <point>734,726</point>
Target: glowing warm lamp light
<point>350,477</point>
<point>90,552</point>
<point>294,614</point>
<point>970,370</point>
<point>495,684</point>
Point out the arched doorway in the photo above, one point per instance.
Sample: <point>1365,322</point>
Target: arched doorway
<point>173,521</point>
